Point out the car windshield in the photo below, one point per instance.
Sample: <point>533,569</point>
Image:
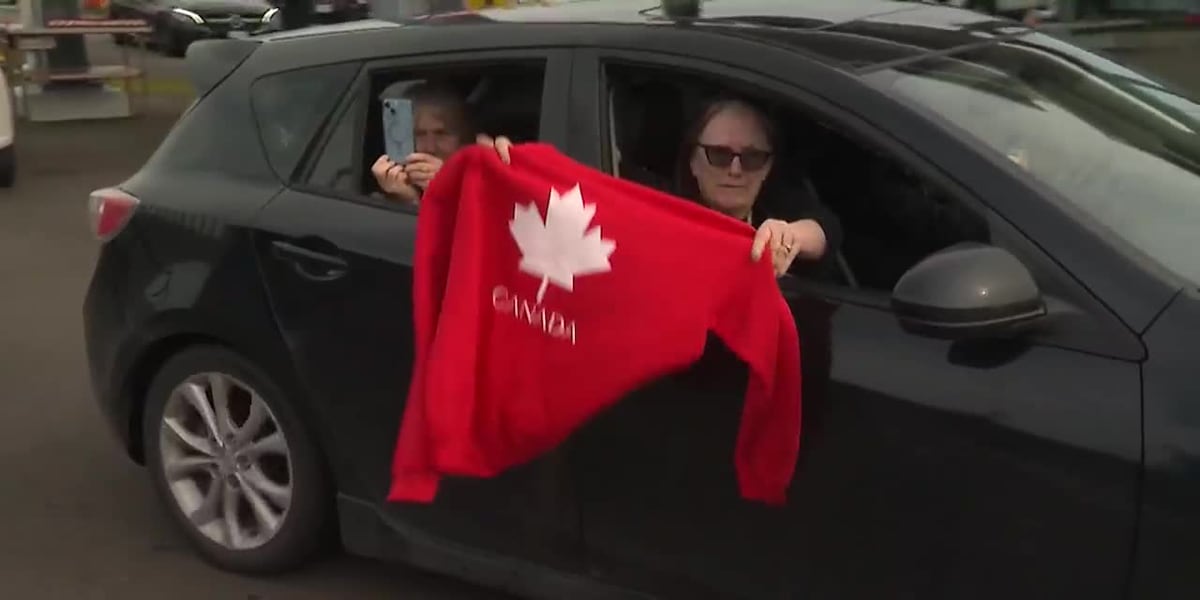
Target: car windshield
<point>1116,144</point>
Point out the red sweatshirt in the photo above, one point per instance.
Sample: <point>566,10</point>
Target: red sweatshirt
<point>544,291</point>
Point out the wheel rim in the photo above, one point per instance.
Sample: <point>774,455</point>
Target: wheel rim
<point>226,460</point>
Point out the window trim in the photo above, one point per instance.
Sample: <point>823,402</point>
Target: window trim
<point>1114,337</point>
<point>312,157</point>
<point>552,124</point>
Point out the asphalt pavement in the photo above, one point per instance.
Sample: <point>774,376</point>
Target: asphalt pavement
<point>77,519</point>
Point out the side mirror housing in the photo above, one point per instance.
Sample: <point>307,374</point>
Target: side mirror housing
<point>967,291</point>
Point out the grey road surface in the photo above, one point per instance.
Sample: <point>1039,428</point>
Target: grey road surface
<point>77,519</point>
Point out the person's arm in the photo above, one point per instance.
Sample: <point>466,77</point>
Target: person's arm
<point>808,231</point>
<point>812,208</point>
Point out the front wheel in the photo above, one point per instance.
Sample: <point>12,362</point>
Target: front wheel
<point>236,467</point>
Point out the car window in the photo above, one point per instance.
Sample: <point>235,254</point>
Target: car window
<point>1130,160</point>
<point>291,106</point>
<point>498,98</point>
<point>340,170</point>
<point>890,218</point>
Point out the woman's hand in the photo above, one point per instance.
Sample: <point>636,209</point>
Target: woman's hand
<point>501,144</point>
<point>420,168</point>
<point>788,241</point>
<point>393,180</point>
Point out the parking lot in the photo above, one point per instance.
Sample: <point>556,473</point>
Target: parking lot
<point>80,520</point>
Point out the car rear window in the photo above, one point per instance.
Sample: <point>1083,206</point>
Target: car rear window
<point>291,106</point>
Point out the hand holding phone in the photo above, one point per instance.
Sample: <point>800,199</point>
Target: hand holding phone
<point>421,169</point>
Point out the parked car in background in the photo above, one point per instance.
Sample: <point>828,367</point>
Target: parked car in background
<point>338,11</point>
<point>178,23</point>
<point>1000,393</point>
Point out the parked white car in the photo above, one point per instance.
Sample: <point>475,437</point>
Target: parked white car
<point>8,154</point>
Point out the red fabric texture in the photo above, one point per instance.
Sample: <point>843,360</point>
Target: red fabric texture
<point>501,378</point>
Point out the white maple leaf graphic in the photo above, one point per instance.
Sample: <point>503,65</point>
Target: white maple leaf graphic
<point>563,247</point>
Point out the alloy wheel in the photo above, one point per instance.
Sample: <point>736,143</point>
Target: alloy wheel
<point>226,460</point>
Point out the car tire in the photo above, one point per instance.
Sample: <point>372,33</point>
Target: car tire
<point>8,166</point>
<point>234,530</point>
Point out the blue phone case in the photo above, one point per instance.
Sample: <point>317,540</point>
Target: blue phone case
<point>398,128</point>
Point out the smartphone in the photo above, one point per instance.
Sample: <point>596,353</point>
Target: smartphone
<point>398,128</point>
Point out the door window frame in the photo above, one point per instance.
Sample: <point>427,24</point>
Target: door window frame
<point>552,123</point>
<point>1104,333</point>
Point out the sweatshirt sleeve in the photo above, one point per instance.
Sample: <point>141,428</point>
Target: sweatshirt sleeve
<point>756,323</point>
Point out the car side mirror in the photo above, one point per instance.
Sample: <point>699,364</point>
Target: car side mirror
<point>967,291</point>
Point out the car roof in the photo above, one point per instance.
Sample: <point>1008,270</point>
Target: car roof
<point>920,25</point>
<point>641,11</point>
<point>843,33</point>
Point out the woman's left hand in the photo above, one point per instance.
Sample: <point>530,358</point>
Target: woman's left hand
<point>788,241</point>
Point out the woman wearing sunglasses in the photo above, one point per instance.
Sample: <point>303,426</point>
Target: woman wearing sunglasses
<point>726,164</point>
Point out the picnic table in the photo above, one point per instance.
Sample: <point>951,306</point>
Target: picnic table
<point>23,78</point>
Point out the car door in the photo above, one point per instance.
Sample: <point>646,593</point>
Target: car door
<point>338,266</point>
<point>929,468</point>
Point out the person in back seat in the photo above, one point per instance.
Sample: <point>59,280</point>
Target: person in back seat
<point>440,127</point>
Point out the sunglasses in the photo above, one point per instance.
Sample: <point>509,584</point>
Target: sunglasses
<point>752,159</point>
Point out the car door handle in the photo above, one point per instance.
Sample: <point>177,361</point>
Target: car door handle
<point>310,264</point>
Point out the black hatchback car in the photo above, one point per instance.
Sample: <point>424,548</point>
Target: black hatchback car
<point>178,23</point>
<point>1000,387</point>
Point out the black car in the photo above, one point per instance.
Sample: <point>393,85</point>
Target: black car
<point>338,11</point>
<point>178,23</point>
<point>1000,391</point>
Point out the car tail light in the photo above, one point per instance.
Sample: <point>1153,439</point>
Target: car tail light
<point>1192,19</point>
<point>110,209</point>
